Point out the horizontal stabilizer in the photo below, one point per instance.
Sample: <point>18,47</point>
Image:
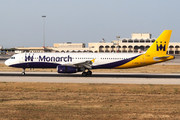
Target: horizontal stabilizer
<point>162,57</point>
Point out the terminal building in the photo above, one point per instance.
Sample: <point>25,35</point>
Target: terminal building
<point>139,42</point>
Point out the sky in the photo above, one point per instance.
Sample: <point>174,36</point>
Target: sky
<point>84,21</point>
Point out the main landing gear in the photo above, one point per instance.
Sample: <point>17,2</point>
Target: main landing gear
<point>84,74</point>
<point>23,72</point>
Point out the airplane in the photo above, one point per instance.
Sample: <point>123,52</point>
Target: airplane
<point>85,62</point>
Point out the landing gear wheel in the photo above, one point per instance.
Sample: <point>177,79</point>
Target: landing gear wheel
<point>84,74</point>
<point>89,73</point>
<point>23,73</point>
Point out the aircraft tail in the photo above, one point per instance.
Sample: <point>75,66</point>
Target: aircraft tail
<point>160,46</point>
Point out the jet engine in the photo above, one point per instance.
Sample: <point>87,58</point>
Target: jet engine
<point>66,69</point>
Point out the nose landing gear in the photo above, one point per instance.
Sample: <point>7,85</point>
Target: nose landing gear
<point>23,72</point>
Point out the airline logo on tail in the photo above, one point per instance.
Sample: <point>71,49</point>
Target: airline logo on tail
<point>161,46</point>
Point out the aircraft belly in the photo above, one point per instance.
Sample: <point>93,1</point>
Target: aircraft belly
<point>35,65</point>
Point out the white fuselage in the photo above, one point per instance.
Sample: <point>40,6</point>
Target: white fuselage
<point>33,60</point>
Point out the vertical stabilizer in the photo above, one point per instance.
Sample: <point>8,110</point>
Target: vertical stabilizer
<point>160,46</point>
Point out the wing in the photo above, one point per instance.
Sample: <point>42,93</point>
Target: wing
<point>86,64</point>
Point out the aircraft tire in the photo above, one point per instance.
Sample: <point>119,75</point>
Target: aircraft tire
<point>89,73</point>
<point>84,74</point>
<point>23,73</point>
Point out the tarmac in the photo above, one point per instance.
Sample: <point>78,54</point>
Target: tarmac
<point>3,58</point>
<point>113,78</point>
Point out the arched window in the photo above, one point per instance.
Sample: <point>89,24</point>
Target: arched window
<point>130,41</point>
<point>148,41</point>
<point>136,47</point>
<point>171,46</point>
<point>171,52</point>
<point>124,46</point>
<point>176,52</point>
<point>113,46</point>
<point>141,47</point>
<point>124,41</point>
<point>136,41</point>
<point>141,41</point>
<point>107,48</point>
<point>130,46</point>
<point>101,48</point>
<point>176,46</point>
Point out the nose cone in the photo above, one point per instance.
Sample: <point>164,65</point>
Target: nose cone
<point>6,62</point>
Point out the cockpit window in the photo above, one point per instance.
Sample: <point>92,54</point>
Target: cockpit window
<point>12,57</point>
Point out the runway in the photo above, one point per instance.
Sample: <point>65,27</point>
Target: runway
<point>125,78</point>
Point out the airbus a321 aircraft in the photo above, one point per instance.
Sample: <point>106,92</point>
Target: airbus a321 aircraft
<point>84,62</point>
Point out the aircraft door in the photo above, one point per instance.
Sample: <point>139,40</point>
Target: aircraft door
<point>20,58</point>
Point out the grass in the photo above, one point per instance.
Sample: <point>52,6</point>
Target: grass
<point>88,101</point>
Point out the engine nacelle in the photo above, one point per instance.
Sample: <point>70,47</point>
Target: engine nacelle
<point>66,69</point>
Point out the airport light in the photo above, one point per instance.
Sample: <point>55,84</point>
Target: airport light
<point>118,43</point>
<point>44,31</point>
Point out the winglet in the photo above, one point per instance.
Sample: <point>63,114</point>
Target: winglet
<point>160,46</point>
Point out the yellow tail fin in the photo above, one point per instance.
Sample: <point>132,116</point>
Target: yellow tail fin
<point>160,46</point>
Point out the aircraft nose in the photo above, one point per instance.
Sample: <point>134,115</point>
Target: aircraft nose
<point>7,62</point>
